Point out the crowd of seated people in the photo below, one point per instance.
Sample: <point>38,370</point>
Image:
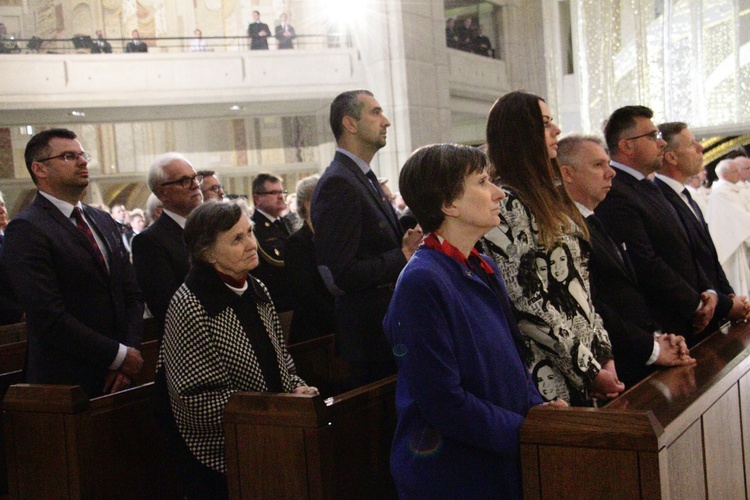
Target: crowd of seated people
<point>558,265</point>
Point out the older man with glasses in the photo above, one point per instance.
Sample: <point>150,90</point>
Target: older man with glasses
<point>73,277</point>
<point>272,231</point>
<point>160,256</point>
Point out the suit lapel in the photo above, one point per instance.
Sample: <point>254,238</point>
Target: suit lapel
<point>68,226</point>
<point>385,207</point>
<point>686,214</point>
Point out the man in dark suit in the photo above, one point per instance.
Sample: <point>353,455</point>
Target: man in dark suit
<point>636,213</point>
<point>272,231</point>
<point>101,45</point>
<point>285,33</point>
<point>10,310</point>
<point>258,33</point>
<point>683,158</point>
<point>160,257</point>
<point>136,45</point>
<point>637,340</point>
<point>73,277</point>
<point>360,245</point>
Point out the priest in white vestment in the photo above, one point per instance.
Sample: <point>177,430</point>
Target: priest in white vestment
<point>728,221</point>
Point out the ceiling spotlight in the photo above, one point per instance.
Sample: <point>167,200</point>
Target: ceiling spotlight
<point>235,107</point>
<point>77,113</point>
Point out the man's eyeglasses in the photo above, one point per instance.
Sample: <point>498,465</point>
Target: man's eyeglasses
<point>215,188</point>
<point>654,134</point>
<point>186,182</point>
<point>274,193</point>
<point>69,156</point>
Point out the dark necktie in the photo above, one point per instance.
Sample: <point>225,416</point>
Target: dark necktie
<point>86,230</point>
<point>696,209</point>
<point>376,184</point>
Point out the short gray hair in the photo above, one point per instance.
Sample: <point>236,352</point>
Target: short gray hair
<point>305,190</point>
<point>723,167</point>
<point>151,205</point>
<point>156,171</point>
<point>569,146</point>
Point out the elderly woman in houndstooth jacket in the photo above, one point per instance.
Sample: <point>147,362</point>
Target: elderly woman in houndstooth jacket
<point>222,335</point>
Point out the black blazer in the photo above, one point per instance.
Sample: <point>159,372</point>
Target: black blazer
<point>285,42</point>
<point>704,251</point>
<point>314,313</point>
<point>669,274</point>
<point>258,42</point>
<point>77,314</point>
<point>271,268</point>
<point>621,304</point>
<point>136,47</point>
<point>358,245</point>
<point>161,262</point>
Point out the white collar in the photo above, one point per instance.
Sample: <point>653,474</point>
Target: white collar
<point>63,206</point>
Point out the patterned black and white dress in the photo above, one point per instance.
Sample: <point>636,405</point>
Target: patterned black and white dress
<point>217,342</point>
<point>550,292</point>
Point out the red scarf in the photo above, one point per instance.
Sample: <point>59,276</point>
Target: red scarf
<point>234,282</point>
<point>433,241</point>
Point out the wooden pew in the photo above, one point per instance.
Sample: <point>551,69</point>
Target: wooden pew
<point>60,444</point>
<point>295,446</point>
<point>318,365</point>
<point>680,433</point>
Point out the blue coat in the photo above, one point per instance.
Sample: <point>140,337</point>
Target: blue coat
<point>463,391</point>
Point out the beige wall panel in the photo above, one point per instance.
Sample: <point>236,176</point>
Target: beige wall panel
<point>723,447</point>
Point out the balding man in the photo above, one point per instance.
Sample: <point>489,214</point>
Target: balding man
<point>637,340</point>
<point>636,213</point>
<point>160,256</point>
<point>729,223</point>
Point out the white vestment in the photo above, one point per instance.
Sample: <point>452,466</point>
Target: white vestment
<point>729,224</point>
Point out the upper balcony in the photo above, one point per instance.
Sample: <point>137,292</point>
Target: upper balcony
<point>40,89</point>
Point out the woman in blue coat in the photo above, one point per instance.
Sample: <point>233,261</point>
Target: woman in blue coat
<point>463,391</point>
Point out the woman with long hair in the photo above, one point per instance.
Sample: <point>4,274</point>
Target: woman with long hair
<point>522,146</point>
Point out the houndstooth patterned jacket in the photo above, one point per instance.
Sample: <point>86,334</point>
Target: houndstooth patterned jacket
<point>207,356</point>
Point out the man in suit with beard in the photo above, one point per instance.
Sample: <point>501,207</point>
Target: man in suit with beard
<point>73,276</point>
<point>636,213</point>
<point>637,341</point>
<point>683,158</point>
<point>360,245</point>
<point>160,256</point>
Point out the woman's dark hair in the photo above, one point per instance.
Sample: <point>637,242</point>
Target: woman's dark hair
<point>535,373</point>
<point>517,149</point>
<point>204,225</point>
<point>528,278</point>
<point>434,176</point>
<point>560,296</point>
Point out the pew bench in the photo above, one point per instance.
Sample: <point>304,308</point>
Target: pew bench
<point>680,433</point>
<point>300,446</point>
<point>61,444</point>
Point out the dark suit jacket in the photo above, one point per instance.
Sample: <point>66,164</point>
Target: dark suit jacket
<point>136,47</point>
<point>622,306</point>
<point>285,42</point>
<point>659,248</point>
<point>101,46</point>
<point>358,244</point>
<point>10,310</point>
<point>76,313</point>
<point>161,262</point>
<point>271,268</point>
<point>258,42</point>
<point>314,312</point>
<point>705,253</point>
